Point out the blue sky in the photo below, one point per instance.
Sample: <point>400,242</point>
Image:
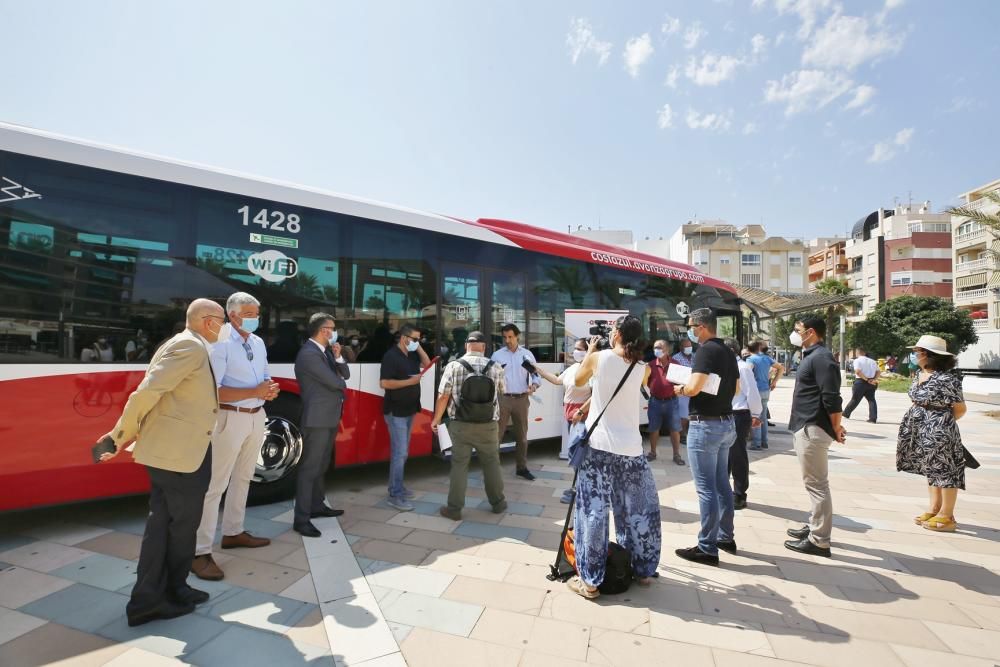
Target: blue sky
<point>803,115</point>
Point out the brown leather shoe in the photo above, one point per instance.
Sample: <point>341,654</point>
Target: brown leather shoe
<point>244,539</point>
<point>204,567</point>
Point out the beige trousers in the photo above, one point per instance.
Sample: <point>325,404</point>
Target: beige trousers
<point>812,448</point>
<point>514,409</point>
<point>236,443</point>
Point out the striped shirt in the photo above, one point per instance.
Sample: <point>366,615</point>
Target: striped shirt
<point>454,375</point>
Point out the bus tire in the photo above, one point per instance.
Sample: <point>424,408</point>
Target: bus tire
<point>278,461</point>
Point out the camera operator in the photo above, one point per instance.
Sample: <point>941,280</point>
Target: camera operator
<point>615,472</point>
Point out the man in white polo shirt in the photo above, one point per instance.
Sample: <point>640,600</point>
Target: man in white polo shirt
<point>866,374</point>
<point>239,362</point>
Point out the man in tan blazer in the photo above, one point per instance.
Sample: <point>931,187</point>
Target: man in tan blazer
<point>171,416</point>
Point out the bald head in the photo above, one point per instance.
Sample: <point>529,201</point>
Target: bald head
<point>206,317</point>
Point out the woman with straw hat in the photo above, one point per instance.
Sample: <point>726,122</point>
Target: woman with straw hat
<point>929,441</point>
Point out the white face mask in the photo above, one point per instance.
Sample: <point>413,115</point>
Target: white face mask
<point>579,355</point>
<point>688,350</point>
<point>795,338</point>
<point>658,353</point>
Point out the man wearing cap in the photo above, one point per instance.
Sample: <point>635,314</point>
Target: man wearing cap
<point>239,362</point>
<point>483,436</point>
<point>520,384</point>
<point>815,425</point>
<point>866,374</point>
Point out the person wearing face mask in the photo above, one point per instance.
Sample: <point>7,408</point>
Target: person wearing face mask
<point>685,357</point>
<point>352,349</point>
<point>815,424</point>
<point>763,365</point>
<point>171,416</point>
<point>239,362</point>
<point>710,437</point>
<point>399,377</point>
<point>322,374</point>
<point>576,400</point>
<point>930,443</point>
<point>101,351</point>
<point>662,410</point>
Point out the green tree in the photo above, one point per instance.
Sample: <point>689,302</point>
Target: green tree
<point>899,322</point>
<point>991,221</point>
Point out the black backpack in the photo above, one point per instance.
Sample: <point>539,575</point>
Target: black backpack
<point>617,570</point>
<point>477,396</point>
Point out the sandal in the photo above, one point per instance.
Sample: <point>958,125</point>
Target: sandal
<point>645,582</point>
<point>651,456</point>
<point>577,586</point>
<point>919,520</point>
<point>941,524</point>
<point>678,460</point>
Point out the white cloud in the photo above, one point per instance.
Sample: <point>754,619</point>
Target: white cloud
<point>757,4</point>
<point>712,70</point>
<point>847,42</point>
<point>709,121</point>
<point>750,128</point>
<point>806,89</point>
<point>960,104</point>
<point>671,81</point>
<point>808,12</point>
<point>888,7</point>
<point>637,51</point>
<point>779,39</point>
<point>884,151</point>
<point>670,25</point>
<point>693,35</point>
<point>862,95</point>
<point>665,117</point>
<point>758,44</point>
<point>581,39</point>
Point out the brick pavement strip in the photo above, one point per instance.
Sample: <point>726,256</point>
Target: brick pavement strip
<point>416,589</point>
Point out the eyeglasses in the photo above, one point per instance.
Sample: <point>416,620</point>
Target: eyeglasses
<point>246,348</point>
<point>214,317</point>
<point>327,328</point>
<point>415,339</point>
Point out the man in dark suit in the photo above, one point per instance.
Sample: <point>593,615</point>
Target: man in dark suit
<point>171,416</point>
<point>321,372</point>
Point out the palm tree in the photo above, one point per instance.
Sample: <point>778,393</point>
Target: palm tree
<point>990,221</point>
<point>833,287</point>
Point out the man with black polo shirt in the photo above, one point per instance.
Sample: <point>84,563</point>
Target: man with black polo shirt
<point>815,425</point>
<point>400,378</point>
<point>711,433</point>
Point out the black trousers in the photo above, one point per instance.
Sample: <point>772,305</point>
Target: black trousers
<point>862,389</point>
<point>317,448</point>
<point>175,503</point>
<point>739,464</point>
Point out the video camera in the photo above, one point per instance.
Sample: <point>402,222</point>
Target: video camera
<point>602,328</point>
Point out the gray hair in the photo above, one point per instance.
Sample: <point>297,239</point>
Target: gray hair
<point>238,299</point>
<point>705,317</point>
<point>733,345</point>
<point>316,322</point>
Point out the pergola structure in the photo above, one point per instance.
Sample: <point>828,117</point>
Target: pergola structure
<point>769,305</point>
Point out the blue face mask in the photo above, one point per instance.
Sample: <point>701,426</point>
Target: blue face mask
<point>412,346</point>
<point>333,337</point>
<point>250,324</point>
<point>913,358</point>
<point>658,353</point>
<point>693,338</point>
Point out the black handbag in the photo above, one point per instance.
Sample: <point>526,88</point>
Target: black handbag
<point>580,446</point>
<point>970,460</point>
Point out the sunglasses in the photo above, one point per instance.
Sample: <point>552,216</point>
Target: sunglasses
<point>246,348</point>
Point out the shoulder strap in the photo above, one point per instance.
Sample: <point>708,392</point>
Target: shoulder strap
<point>486,369</point>
<point>621,384</point>
<point>467,366</point>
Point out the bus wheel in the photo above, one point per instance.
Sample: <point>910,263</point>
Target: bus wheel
<point>277,462</point>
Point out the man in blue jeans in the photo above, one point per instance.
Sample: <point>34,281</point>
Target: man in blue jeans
<point>400,378</point>
<point>712,431</point>
<point>762,362</point>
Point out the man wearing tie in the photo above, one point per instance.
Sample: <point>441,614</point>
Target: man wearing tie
<point>171,415</point>
<point>321,372</point>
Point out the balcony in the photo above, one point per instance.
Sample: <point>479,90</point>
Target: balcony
<point>980,325</point>
<point>972,296</point>
<point>975,265</point>
<point>970,237</point>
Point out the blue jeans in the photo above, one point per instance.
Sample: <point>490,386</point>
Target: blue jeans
<point>760,433</point>
<point>708,446</point>
<point>399,441</point>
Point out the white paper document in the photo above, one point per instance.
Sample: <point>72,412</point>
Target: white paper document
<point>444,438</point>
<point>678,374</point>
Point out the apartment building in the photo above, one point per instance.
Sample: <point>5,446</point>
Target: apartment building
<point>828,259</point>
<point>977,279</point>
<point>901,251</point>
<point>741,255</point>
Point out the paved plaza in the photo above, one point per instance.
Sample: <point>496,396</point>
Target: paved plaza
<point>383,588</point>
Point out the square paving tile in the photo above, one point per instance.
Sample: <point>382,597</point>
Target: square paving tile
<point>541,635</point>
<point>14,624</point>
<point>136,657</point>
<point>272,553</point>
<point>52,643</point>
<point>258,610</point>
<point>337,576</point>
<point>19,586</point>
<point>357,629</point>
<point>114,543</point>
<point>412,579</point>
<point>442,541</point>
<point>496,595</point>
<point>489,531</point>
<point>426,648</point>
<point>65,532</point>
<point>243,646</point>
<point>101,571</point>
<point>609,647</point>
<point>80,606</point>
<point>469,566</point>
<point>526,509</point>
<point>260,576</point>
<point>175,638</point>
<point>303,590</point>
<point>12,541</point>
<point>43,556</point>
<point>422,611</point>
<point>415,521</point>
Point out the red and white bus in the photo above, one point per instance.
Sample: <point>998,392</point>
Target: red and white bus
<point>102,249</point>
